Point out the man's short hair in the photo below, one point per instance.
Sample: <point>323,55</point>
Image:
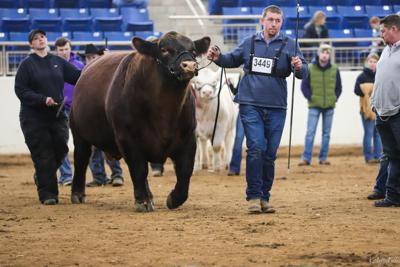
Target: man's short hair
<point>325,47</point>
<point>273,9</point>
<point>391,20</point>
<point>62,41</point>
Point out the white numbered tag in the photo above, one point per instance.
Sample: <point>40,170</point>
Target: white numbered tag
<point>262,65</point>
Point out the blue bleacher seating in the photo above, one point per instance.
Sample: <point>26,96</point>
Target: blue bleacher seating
<point>254,3</point>
<point>106,19</point>
<point>136,19</point>
<point>18,36</point>
<point>230,33</point>
<point>96,4</point>
<point>87,36</point>
<point>243,33</point>
<point>36,3</point>
<point>353,16</point>
<point>379,11</point>
<point>104,12</point>
<point>118,36</point>
<point>52,36</point>
<point>290,14</point>
<point>3,36</point>
<point>14,20</point>
<point>66,3</point>
<point>130,3</point>
<point>292,33</point>
<point>76,19</point>
<point>342,33</point>
<point>288,3</point>
<point>257,10</point>
<point>396,8</point>
<point>146,34</point>
<point>45,19</point>
<point>359,33</point>
<point>9,4</point>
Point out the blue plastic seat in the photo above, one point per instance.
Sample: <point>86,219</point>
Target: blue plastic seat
<point>66,3</point>
<point>380,11</point>
<point>136,19</point>
<point>36,3</point>
<point>353,16</point>
<point>18,36</point>
<point>257,11</point>
<point>14,20</point>
<point>87,36</point>
<point>360,33</point>
<point>118,36</point>
<point>97,4</point>
<point>146,34</point>
<point>396,8</point>
<point>9,4</point>
<point>131,3</point>
<point>46,19</point>
<point>255,3</point>
<point>3,36</point>
<point>76,19</point>
<point>343,33</point>
<point>242,33</point>
<point>52,36</point>
<point>289,3</point>
<point>104,12</point>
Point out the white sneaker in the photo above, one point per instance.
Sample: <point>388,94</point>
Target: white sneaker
<point>266,207</point>
<point>254,206</point>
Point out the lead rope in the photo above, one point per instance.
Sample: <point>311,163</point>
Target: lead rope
<point>218,103</point>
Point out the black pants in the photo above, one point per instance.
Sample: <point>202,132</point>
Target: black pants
<point>47,141</point>
<point>389,130</point>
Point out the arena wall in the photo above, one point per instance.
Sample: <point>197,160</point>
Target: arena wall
<point>346,129</point>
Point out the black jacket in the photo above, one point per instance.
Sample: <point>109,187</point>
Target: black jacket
<point>38,78</point>
<point>311,32</point>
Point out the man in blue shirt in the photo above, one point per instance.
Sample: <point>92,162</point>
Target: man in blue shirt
<point>268,57</point>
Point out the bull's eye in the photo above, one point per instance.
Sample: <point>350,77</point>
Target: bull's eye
<point>164,51</point>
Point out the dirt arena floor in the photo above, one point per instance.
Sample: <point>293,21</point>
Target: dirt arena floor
<point>323,219</point>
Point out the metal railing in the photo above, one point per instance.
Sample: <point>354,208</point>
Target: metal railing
<point>347,56</point>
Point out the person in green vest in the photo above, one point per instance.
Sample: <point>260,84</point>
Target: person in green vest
<point>322,89</point>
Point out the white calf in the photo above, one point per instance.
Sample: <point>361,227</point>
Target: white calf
<point>206,86</point>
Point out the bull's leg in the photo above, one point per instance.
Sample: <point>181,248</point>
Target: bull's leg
<point>217,147</point>
<point>82,154</point>
<point>138,170</point>
<point>228,147</point>
<point>197,162</point>
<point>203,153</point>
<point>183,163</point>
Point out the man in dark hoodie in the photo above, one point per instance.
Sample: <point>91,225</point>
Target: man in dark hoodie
<point>322,89</point>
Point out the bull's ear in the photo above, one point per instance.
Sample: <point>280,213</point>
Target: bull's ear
<point>144,47</point>
<point>202,45</point>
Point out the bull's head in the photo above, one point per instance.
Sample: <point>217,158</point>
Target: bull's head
<point>175,53</point>
<point>206,84</point>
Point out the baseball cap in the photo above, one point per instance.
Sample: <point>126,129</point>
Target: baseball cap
<point>33,32</point>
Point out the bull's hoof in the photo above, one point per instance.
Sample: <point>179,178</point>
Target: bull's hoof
<point>146,206</point>
<point>204,166</point>
<point>173,203</point>
<point>78,198</point>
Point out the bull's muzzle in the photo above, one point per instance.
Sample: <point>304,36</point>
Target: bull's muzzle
<point>189,66</point>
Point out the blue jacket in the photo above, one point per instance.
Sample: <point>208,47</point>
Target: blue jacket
<point>305,84</point>
<point>261,90</point>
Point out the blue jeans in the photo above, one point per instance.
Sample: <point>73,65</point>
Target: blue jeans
<point>263,128</point>
<point>381,179</point>
<point>312,123</point>
<point>389,130</point>
<point>236,159</point>
<point>65,168</point>
<point>371,135</point>
<point>96,165</point>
